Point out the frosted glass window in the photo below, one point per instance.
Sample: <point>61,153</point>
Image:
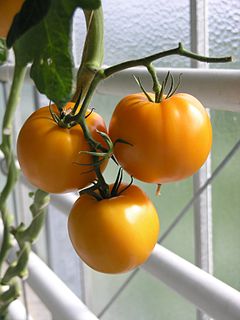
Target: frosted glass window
<point>224,30</point>
<point>226,201</point>
<point>134,29</point>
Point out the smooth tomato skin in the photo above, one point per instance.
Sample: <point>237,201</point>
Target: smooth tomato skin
<point>114,235</point>
<point>49,155</point>
<point>8,9</point>
<point>170,140</point>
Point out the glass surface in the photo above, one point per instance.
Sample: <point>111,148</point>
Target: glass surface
<point>134,29</point>
<point>224,31</point>
<point>225,198</point>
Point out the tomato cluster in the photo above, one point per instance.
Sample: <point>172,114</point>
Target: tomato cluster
<point>156,142</point>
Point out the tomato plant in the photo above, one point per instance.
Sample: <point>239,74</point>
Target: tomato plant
<point>8,9</point>
<point>116,234</point>
<point>112,228</point>
<point>168,141</point>
<point>49,155</point>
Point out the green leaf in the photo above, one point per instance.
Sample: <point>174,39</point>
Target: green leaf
<point>31,13</point>
<point>3,51</point>
<point>48,46</point>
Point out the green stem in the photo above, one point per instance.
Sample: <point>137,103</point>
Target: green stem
<point>180,50</point>
<point>6,148</point>
<point>93,51</point>
<point>89,77</point>
<point>106,73</point>
<point>156,83</point>
<point>38,210</point>
<point>7,297</point>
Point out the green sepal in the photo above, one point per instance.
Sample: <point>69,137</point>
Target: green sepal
<point>142,88</point>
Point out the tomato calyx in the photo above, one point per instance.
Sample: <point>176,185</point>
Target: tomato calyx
<point>66,116</point>
<point>101,190</point>
<point>139,83</point>
<point>100,154</point>
<point>172,87</point>
<point>159,88</point>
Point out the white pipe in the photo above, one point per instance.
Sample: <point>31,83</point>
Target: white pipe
<point>17,311</point>
<point>58,298</point>
<point>215,88</point>
<point>207,293</point>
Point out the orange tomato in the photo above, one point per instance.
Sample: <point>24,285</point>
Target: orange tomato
<point>8,9</point>
<point>114,235</point>
<point>49,155</point>
<point>169,140</point>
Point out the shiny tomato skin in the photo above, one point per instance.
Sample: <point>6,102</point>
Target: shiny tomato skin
<point>114,235</point>
<point>49,155</point>
<point>169,141</point>
<point>8,9</point>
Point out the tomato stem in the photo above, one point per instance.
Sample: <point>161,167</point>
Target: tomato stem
<point>93,51</point>
<point>179,50</point>
<point>156,84</point>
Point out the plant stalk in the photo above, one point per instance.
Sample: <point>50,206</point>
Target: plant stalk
<point>6,148</point>
<point>93,51</point>
<point>180,50</point>
<point>156,83</point>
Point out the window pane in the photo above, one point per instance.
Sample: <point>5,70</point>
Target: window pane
<point>134,29</point>
<point>226,201</point>
<point>224,28</point>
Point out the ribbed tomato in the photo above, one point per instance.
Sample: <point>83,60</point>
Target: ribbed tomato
<point>49,155</point>
<point>169,140</point>
<point>114,235</point>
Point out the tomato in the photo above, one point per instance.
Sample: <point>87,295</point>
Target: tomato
<point>49,155</point>
<point>114,235</point>
<point>8,9</point>
<point>169,140</point>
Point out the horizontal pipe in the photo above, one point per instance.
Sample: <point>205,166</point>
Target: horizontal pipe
<point>58,298</point>
<point>215,88</point>
<point>207,293</point>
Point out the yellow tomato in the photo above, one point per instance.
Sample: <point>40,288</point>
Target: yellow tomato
<point>169,140</point>
<point>49,155</point>
<point>114,235</point>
